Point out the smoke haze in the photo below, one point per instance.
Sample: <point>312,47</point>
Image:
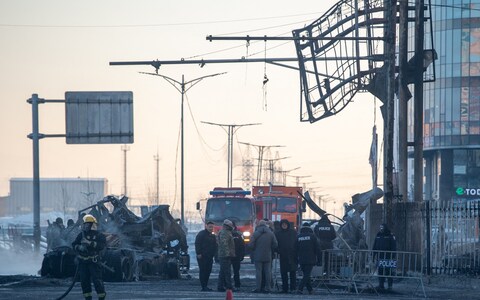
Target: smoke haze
<point>20,263</point>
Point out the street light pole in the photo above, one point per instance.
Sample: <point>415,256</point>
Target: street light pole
<point>36,136</point>
<point>231,131</point>
<point>182,90</point>
<point>182,159</point>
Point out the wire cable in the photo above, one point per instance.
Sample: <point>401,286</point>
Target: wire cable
<point>201,139</point>
<point>248,42</point>
<point>159,24</point>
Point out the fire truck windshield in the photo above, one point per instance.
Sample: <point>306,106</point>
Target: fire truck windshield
<point>219,209</point>
<point>286,204</point>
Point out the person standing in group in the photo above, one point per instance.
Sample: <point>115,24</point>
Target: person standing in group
<point>325,233</point>
<point>55,233</point>
<point>206,249</point>
<point>307,250</point>
<point>270,225</point>
<point>226,251</point>
<point>71,232</point>
<point>263,243</point>
<point>384,242</point>
<point>88,245</point>
<point>239,254</point>
<point>287,238</point>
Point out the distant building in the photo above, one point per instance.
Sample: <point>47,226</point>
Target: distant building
<point>67,195</point>
<point>3,206</point>
<point>452,106</point>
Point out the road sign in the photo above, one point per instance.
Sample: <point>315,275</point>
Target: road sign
<point>99,117</point>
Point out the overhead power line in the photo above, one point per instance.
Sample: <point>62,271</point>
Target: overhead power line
<point>159,24</point>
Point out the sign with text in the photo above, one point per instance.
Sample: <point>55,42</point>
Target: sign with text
<point>460,191</point>
<point>99,117</point>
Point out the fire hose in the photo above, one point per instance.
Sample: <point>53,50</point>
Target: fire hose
<point>102,264</point>
<point>71,285</point>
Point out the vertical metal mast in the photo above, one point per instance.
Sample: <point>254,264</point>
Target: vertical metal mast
<point>390,33</point>
<point>182,89</point>
<point>125,148</point>
<point>230,132</point>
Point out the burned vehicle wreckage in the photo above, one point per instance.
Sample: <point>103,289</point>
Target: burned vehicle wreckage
<point>137,247</point>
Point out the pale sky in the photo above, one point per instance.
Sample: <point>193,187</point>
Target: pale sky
<point>50,47</point>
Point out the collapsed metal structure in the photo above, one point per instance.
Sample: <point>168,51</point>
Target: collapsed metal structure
<point>338,56</point>
<point>137,247</point>
<point>350,233</point>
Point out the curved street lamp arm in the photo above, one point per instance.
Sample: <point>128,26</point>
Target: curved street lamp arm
<point>168,79</point>
<point>193,82</point>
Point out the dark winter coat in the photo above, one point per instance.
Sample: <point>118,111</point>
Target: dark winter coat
<point>287,239</point>
<point>307,247</point>
<point>385,241</point>
<point>239,245</point>
<point>206,244</point>
<point>54,235</point>
<point>96,243</point>
<point>263,243</point>
<point>325,233</point>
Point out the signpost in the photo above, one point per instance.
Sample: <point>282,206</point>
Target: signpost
<point>99,117</point>
<point>91,118</point>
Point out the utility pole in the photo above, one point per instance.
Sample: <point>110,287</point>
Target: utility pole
<point>247,170</point>
<point>271,167</point>
<point>297,179</point>
<point>35,136</point>
<point>418,100</point>
<point>284,174</point>
<point>389,50</point>
<point>403,97</point>
<point>157,194</point>
<point>125,148</point>
<point>418,124</point>
<point>261,149</point>
<point>182,89</point>
<point>230,132</point>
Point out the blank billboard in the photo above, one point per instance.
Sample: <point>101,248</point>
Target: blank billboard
<point>99,117</point>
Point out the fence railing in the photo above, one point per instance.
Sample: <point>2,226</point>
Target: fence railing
<point>361,269</point>
<point>455,238</point>
<point>19,239</point>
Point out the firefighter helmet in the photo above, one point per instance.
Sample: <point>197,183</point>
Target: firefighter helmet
<point>89,219</point>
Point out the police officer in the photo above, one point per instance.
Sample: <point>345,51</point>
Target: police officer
<point>206,249</point>
<point>384,243</point>
<point>88,245</point>
<point>287,238</point>
<point>325,233</point>
<point>307,249</point>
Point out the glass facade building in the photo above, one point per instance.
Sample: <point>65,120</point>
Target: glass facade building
<point>452,104</point>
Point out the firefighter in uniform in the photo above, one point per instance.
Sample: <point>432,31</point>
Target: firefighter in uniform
<point>88,245</point>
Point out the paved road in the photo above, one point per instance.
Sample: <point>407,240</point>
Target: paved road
<point>40,288</point>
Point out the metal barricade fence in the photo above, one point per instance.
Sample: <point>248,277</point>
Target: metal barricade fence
<point>360,269</point>
<point>335,265</point>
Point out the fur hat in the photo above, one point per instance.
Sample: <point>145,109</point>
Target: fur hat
<point>228,223</point>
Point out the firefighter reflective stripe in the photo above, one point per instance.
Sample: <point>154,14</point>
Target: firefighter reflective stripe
<point>87,294</point>
<point>93,258</point>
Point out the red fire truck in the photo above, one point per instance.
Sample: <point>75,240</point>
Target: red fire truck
<point>278,202</point>
<point>233,204</point>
